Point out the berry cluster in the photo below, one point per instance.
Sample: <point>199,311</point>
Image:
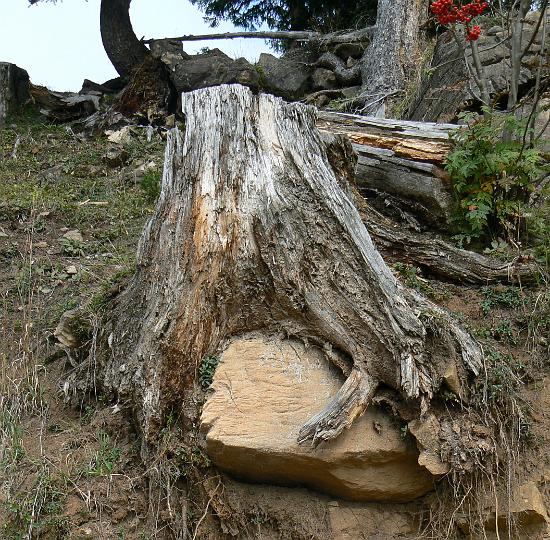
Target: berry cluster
<point>448,13</point>
<point>473,33</point>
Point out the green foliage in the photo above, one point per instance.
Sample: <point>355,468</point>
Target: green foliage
<point>36,513</point>
<point>323,15</point>
<point>506,297</point>
<point>71,247</point>
<point>103,461</point>
<point>150,184</point>
<point>504,375</point>
<point>206,370</point>
<point>492,177</point>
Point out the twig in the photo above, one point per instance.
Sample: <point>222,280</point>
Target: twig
<point>13,154</point>
<point>206,510</point>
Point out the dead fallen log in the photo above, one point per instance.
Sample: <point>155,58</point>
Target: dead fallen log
<point>441,258</point>
<point>404,158</point>
<point>334,38</point>
<point>401,158</point>
<point>63,106</point>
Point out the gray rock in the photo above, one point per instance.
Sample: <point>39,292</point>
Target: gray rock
<point>351,91</point>
<point>324,79</point>
<point>345,50</point>
<point>494,30</point>
<point>443,92</point>
<point>209,69</point>
<point>14,89</point>
<point>284,77</point>
<point>161,46</point>
<point>116,156</point>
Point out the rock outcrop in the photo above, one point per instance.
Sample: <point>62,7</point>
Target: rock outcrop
<point>444,89</point>
<point>212,68</point>
<point>264,391</point>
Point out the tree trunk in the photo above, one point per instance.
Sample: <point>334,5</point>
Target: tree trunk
<point>393,53</point>
<point>123,48</point>
<point>256,231</point>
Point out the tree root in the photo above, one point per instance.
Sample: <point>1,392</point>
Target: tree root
<point>348,404</point>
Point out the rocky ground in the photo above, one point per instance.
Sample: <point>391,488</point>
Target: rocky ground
<point>71,213</point>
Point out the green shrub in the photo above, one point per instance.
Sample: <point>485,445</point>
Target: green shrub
<point>150,184</point>
<point>492,177</point>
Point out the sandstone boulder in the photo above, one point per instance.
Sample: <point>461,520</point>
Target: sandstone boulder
<point>264,391</point>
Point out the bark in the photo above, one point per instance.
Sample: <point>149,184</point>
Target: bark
<point>123,48</point>
<point>14,89</point>
<point>393,53</point>
<point>256,231</point>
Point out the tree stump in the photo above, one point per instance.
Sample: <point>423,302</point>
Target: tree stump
<point>256,233</point>
<point>14,89</point>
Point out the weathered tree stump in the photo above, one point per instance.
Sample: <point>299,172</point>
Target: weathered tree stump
<point>256,232</point>
<point>14,89</point>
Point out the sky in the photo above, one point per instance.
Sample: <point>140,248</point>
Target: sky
<point>60,44</point>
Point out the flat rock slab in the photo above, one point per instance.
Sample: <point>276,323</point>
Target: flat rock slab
<point>265,390</point>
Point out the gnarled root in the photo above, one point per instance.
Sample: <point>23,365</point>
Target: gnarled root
<point>348,404</point>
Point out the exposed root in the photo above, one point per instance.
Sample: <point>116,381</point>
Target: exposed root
<point>348,404</point>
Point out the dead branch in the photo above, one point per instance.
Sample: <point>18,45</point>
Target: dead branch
<point>307,35</point>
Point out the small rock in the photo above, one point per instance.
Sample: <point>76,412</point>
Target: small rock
<point>324,79</point>
<point>121,136</point>
<point>170,121</point>
<point>345,50</point>
<point>116,157</point>
<point>75,235</point>
<point>527,509</point>
<point>426,434</point>
<point>71,270</point>
<point>452,380</point>
<point>321,101</point>
<point>41,245</point>
<point>351,91</point>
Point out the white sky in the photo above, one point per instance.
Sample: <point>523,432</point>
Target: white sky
<point>60,44</point>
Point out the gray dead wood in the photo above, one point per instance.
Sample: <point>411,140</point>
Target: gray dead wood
<point>404,159</point>
<point>334,38</point>
<point>256,230</point>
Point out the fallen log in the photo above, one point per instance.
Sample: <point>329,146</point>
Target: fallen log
<point>333,38</point>
<point>401,158</point>
<point>441,258</point>
<point>404,159</point>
